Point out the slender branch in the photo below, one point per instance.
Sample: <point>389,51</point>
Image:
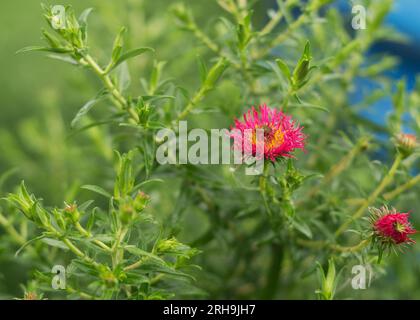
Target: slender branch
<point>85,233</point>
<point>118,98</point>
<point>192,103</point>
<point>409,184</point>
<point>384,183</point>
<point>133,266</point>
<point>274,21</point>
<point>79,253</point>
<point>11,230</point>
<point>200,35</point>
<point>342,165</point>
<point>322,244</point>
<point>82,294</point>
<point>281,37</point>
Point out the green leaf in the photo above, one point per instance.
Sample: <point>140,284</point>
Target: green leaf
<point>55,243</point>
<point>284,68</point>
<point>117,47</point>
<point>130,54</point>
<point>202,67</point>
<point>84,110</point>
<point>395,119</point>
<point>139,185</point>
<point>123,77</point>
<point>97,189</point>
<point>83,23</point>
<point>85,205</point>
<point>302,68</point>
<point>302,227</point>
<point>157,98</point>
<point>155,76</point>
<point>142,253</point>
<point>28,243</point>
<point>125,180</point>
<point>91,221</point>
<point>84,16</point>
<point>66,59</point>
<point>308,105</point>
<point>46,49</point>
<point>216,72</point>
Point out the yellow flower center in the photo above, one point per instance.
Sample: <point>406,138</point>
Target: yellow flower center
<point>272,138</point>
<point>399,227</point>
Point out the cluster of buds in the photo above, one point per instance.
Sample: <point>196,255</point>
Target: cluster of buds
<point>390,228</point>
<point>63,21</point>
<point>130,207</point>
<point>406,143</point>
<point>176,248</point>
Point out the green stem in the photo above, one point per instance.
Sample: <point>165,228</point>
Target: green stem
<point>85,233</point>
<point>192,103</point>
<point>384,183</point>
<point>200,35</point>
<point>117,253</point>
<point>118,98</point>
<point>133,266</point>
<point>354,248</point>
<point>11,230</point>
<point>409,184</point>
<point>263,188</point>
<point>322,244</point>
<point>273,275</point>
<point>282,36</point>
<point>271,24</point>
<point>83,295</point>
<point>79,253</point>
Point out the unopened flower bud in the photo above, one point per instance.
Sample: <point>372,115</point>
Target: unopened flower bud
<point>108,277</point>
<point>72,212</point>
<point>140,201</point>
<point>30,296</point>
<point>406,143</point>
<point>126,212</point>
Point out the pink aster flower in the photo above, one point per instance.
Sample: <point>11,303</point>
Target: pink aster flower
<point>282,135</point>
<point>391,226</point>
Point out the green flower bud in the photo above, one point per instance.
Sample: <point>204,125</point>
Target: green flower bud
<point>405,143</point>
<point>126,212</point>
<point>140,201</point>
<point>108,277</point>
<point>72,213</point>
